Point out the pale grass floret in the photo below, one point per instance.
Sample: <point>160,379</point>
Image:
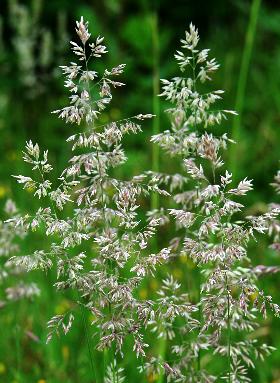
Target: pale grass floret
<point>274,224</point>
<point>114,373</point>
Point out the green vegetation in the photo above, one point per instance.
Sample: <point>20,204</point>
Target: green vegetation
<point>34,35</point>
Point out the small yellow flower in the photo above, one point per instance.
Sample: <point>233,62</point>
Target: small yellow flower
<point>2,368</point>
<point>42,381</point>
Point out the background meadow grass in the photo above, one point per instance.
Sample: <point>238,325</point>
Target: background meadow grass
<point>243,35</point>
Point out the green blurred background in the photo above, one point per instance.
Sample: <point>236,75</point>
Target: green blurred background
<point>243,35</point>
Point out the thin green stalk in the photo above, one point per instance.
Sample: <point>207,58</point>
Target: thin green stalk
<point>18,352</point>
<point>228,332</point>
<point>156,102</point>
<point>85,324</point>
<point>115,375</point>
<point>155,148</point>
<point>199,318</point>
<point>229,336</point>
<point>197,194</point>
<point>105,362</point>
<point>114,372</point>
<point>105,354</point>
<point>242,81</point>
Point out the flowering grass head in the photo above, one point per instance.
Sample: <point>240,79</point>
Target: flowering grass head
<point>101,249</point>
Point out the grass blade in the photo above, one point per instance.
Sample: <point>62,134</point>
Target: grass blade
<point>242,81</point>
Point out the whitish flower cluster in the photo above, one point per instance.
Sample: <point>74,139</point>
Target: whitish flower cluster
<point>9,246</point>
<point>207,202</point>
<point>34,46</point>
<point>114,373</point>
<point>100,250</point>
<point>274,227</point>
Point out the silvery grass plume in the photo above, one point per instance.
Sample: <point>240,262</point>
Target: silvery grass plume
<point>206,204</point>
<point>114,373</point>
<point>274,227</point>
<point>10,237</point>
<point>33,45</point>
<point>100,250</point>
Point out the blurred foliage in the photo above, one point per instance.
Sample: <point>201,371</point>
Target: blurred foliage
<point>34,39</point>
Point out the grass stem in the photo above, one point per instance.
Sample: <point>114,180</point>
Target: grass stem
<point>228,332</point>
<point>242,81</point>
<point>17,334</point>
<point>155,148</point>
<point>199,317</point>
<point>156,102</point>
<point>85,324</point>
<point>18,352</point>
